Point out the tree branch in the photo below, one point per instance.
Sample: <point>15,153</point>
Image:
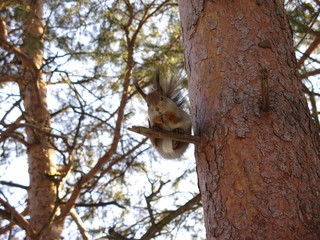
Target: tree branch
<point>47,131</point>
<point>308,52</point>
<point>116,236</point>
<point>107,169</point>
<point>13,216</point>
<point>11,224</point>
<point>7,228</point>
<point>80,224</point>
<point>11,184</point>
<point>155,133</point>
<point>26,61</point>
<point>149,199</point>
<point>8,78</point>
<point>98,204</point>
<point>106,157</point>
<point>162,223</point>
<point>159,226</point>
<point>14,136</point>
<point>311,73</point>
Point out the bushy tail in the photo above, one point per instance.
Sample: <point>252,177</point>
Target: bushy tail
<point>171,89</point>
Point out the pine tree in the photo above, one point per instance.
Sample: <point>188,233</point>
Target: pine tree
<point>258,160</point>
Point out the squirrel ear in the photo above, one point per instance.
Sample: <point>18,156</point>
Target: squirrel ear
<point>159,88</point>
<point>139,89</point>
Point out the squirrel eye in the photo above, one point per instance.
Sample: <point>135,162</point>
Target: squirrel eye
<point>161,98</point>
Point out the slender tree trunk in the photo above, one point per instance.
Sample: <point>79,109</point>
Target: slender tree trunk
<point>42,190</point>
<point>258,162</point>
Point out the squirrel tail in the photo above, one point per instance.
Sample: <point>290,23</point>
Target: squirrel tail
<point>171,89</point>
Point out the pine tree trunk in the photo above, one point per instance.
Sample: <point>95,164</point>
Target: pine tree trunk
<point>42,190</point>
<point>258,162</point>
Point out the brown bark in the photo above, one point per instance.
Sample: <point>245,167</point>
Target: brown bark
<point>258,170</point>
<point>42,190</point>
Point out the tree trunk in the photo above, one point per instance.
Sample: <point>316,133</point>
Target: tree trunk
<point>258,161</point>
<point>42,190</point>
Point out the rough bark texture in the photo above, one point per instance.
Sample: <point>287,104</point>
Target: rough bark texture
<point>42,190</point>
<point>258,169</point>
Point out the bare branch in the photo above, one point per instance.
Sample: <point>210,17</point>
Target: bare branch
<point>26,61</point>
<point>123,156</point>
<point>14,136</point>
<point>6,228</point>
<point>3,29</point>
<point>308,52</point>
<point>12,215</point>
<point>149,199</point>
<point>44,130</point>
<point>11,225</point>
<point>80,224</point>
<point>106,157</point>
<point>155,133</point>
<point>11,184</point>
<point>307,31</point>
<point>11,127</point>
<point>100,204</point>
<point>147,16</point>
<point>116,236</point>
<point>16,104</point>
<point>311,73</point>
<point>5,79</point>
<point>162,223</point>
<point>172,215</point>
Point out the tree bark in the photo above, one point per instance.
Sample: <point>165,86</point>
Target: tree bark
<point>42,191</point>
<point>258,161</point>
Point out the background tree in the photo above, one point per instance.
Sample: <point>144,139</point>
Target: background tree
<point>258,161</point>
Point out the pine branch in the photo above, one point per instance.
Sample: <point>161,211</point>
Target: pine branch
<point>116,236</point>
<point>161,224</point>
<point>13,216</point>
<point>309,50</point>
<point>155,228</point>
<point>8,78</point>
<point>26,61</point>
<point>100,204</point>
<point>11,184</point>
<point>80,224</point>
<point>155,133</point>
<point>311,73</point>
<point>11,224</point>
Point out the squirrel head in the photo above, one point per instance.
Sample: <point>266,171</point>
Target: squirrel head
<point>159,103</point>
<point>158,100</point>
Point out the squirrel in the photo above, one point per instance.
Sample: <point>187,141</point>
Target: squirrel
<point>165,111</point>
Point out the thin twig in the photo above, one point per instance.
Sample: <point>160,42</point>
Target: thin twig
<point>172,215</point>
<point>11,184</point>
